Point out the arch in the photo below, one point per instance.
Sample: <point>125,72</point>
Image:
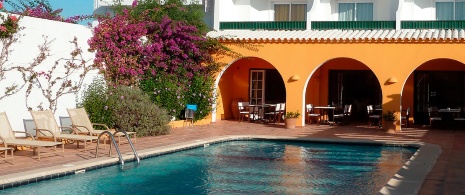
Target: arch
<point>239,64</point>
<point>345,65</point>
<point>450,68</point>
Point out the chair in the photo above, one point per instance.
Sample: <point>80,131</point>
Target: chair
<point>81,124</point>
<point>189,114</point>
<point>344,116</point>
<point>405,117</point>
<point>372,117</point>
<point>311,115</point>
<point>433,115</point>
<point>243,110</point>
<point>273,113</point>
<point>8,137</point>
<point>459,118</point>
<point>47,128</point>
<point>282,112</point>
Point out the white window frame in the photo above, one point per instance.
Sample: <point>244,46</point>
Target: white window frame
<point>445,1</point>
<point>290,7</point>
<point>355,10</point>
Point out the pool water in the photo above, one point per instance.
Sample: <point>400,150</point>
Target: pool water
<point>242,167</point>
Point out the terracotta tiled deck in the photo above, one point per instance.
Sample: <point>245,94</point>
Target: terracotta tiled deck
<point>446,177</point>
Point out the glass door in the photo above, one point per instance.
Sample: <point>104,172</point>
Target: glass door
<point>423,97</point>
<point>257,87</point>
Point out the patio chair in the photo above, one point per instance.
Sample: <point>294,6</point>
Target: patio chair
<point>47,128</point>
<point>405,117</point>
<point>459,118</point>
<point>8,137</point>
<point>189,114</point>
<point>311,115</point>
<point>344,117</point>
<point>273,113</point>
<point>282,112</point>
<point>81,124</point>
<point>244,111</point>
<point>372,117</point>
<point>433,115</point>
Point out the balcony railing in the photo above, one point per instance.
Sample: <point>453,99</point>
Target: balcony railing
<point>359,25</point>
<point>446,24</point>
<point>266,25</point>
<point>343,25</point>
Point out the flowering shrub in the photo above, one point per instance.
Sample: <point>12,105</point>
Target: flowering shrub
<point>126,108</point>
<point>168,59</point>
<point>42,9</point>
<point>9,25</point>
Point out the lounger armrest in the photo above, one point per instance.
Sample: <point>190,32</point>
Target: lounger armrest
<point>40,131</point>
<point>103,125</point>
<point>4,143</point>
<point>27,134</point>
<point>76,129</point>
<point>72,130</point>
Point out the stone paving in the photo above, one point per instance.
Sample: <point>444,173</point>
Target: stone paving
<point>446,177</point>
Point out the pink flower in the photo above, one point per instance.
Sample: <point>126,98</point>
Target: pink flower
<point>2,28</point>
<point>1,5</point>
<point>13,18</point>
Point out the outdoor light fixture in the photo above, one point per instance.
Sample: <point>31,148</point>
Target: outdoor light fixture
<point>295,77</point>
<point>392,80</point>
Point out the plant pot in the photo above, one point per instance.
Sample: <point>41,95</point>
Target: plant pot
<point>390,126</point>
<point>290,123</point>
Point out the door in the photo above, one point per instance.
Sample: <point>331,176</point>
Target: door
<point>257,87</point>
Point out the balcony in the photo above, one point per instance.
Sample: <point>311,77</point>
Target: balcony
<point>342,25</point>
<point>435,24</point>
<point>265,25</point>
<point>353,25</point>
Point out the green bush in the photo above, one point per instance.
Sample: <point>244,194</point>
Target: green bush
<point>124,108</point>
<point>134,111</point>
<point>173,93</point>
<point>94,100</point>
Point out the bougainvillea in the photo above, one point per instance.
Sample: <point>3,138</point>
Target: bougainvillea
<point>168,59</point>
<point>9,24</point>
<point>42,9</point>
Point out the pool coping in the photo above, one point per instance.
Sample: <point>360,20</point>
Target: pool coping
<point>408,180</point>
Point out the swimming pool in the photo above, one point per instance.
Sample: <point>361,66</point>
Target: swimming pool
<point>250,167</point>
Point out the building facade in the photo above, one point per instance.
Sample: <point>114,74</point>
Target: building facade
<point>392,53</point>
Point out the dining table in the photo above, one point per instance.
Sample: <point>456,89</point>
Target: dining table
<point>447,115</point>
<point>327,112</point>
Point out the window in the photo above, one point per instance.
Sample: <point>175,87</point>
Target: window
<point>290,12</point>
<point>451,10</point>
<point>355,11</point>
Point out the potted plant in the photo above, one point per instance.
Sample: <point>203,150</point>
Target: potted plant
<point>290,119</point>
<point>389,121</point>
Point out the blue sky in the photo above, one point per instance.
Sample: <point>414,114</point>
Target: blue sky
<point>71,7</point>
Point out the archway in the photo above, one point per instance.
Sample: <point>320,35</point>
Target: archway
<point>438,82</point>
<point>342,81</point>
<point>248,79</point>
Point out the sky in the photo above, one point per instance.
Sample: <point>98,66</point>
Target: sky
<point>71,7</point>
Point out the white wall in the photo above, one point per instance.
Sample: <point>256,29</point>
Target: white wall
<point>23,53</point>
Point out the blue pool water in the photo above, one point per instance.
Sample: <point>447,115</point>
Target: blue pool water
<point>242,167</point>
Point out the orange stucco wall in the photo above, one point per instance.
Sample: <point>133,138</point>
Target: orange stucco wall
<point>312,61</point>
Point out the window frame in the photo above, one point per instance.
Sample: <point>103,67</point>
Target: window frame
<point>355,9</point>
<point>453,8</point>
<point>290,9</point>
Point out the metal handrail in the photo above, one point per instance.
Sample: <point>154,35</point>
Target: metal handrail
<point>114,143</point>
<point>130,143</point>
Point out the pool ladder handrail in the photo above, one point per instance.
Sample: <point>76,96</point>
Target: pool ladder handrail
<point>112,137</point>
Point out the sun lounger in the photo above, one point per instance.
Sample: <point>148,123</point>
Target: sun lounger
<point>47,128</point>
<point>7,136</point>
<point>82,125</point>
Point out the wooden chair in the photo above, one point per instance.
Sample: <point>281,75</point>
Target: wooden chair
<point>433,115</point>
<point>405,117</point>
<point>243,110</point>
<point>273,113</point>
<point>344,117</point>
<point>311,115</point>
<point>372,117</point>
